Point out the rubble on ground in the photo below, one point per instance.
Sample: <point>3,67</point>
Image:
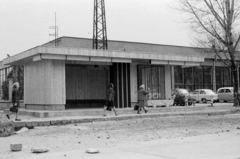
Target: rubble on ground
<point>39,150</point>
<point>16,147</point>
<point>92,150</point>
<point>6,126</point>
<point>23,129</point>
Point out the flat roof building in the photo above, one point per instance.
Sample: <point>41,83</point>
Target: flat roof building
<point>73,75</point>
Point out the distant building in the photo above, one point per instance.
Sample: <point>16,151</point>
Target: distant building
<point>73,75</point>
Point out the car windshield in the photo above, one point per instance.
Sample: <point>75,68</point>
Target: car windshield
<point>209,92</point>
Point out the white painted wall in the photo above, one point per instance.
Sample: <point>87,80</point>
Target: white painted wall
<point>133,82</point>
<point>167,81</point>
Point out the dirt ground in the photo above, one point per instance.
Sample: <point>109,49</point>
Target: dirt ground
<point>110,134</point>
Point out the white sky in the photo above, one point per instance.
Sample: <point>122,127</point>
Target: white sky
<point>25,24</point>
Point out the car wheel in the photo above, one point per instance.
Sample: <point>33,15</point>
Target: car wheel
<point>204,100</point>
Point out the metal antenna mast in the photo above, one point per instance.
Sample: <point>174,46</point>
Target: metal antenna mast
<point>55,28</point>
<point>99,26</point>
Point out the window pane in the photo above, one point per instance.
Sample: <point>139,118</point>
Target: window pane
<point>221,91</point>
<point>198,76</point>
<point>202,92</point>
<point>207,75</point>
<point>146,77</point>
<point>198,87</point>
<point>226,76</point>
<point>219,80</point>
<point>153,78</point>
<point>208,86</point>
<point>228,91</point>
<point>188,79</point>
<point>178,74</point>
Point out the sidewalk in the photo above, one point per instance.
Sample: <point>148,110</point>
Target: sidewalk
<point>124,114</point>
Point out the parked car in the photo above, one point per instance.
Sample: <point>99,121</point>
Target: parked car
<point>179,91</point>
<point>204,95</point>
<point>181,97</point>
<point>225,94</point>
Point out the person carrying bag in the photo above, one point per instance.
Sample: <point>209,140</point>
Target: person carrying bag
<point>142,97</point>
<point>109,103</point>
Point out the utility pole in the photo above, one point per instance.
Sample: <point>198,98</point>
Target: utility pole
<point>99,26</point>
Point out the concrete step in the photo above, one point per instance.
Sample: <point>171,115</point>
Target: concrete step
<point>84,119</point>
<point>97,112</point>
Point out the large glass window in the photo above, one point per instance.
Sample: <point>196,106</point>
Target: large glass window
<point>153,79</point>
<point>223,77</point>
<point>226,76</point>
<point>219,78</point>
<point>207,77</point>
<point>2,78</point>
<point>15,72</point>
<point>198,76</point>
<point>188,78</point>
<point>178,75</point>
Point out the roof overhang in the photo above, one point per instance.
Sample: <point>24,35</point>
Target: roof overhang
<point>80,54</point>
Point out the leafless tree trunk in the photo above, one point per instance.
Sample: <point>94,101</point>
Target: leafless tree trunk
<point>216,24</point>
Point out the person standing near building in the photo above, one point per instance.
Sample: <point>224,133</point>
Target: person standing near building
<point>15,101</point>
<point>109,103</point>
<point>142,96</point>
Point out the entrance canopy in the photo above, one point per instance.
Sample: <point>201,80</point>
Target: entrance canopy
<point>91,55</point>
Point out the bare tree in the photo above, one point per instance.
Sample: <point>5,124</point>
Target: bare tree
<point>216,23</point>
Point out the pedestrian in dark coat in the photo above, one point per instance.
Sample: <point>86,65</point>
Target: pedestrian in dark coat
<point>142,97</point>
<point>109,103</point>
<point>15,101</point>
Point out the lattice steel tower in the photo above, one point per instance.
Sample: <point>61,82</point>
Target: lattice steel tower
<point>99,26</point>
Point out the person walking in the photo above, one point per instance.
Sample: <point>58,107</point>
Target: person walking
<point>109,103</point>
<point>142,96</point>
<point>15,101</point>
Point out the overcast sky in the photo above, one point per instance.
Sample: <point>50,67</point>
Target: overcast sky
<point>25,23</point>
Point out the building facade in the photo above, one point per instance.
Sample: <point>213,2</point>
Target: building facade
<point>73,75</point>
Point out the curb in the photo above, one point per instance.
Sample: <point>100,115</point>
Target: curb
<point>54,122</point>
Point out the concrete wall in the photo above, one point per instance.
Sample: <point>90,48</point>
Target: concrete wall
<point>133,83</point>
<point>44,85</point>
<point>168,80</point>
<point>209,62</point>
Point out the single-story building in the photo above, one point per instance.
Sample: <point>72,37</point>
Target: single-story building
<point>73,75</point>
